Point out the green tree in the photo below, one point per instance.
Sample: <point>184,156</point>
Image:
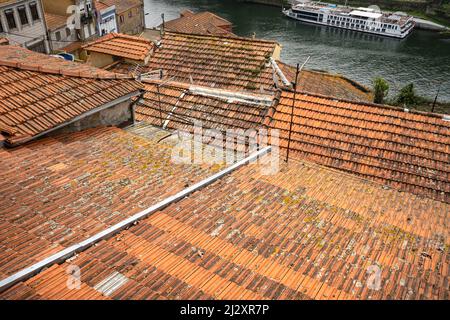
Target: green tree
<point>380,89</point>
<point>407,96</point>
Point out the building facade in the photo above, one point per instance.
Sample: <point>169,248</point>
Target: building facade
<point>129,14</point>
<point>23,23</point>
<point>59,34</point>
<point>106,18</point>
<point>80,16</point>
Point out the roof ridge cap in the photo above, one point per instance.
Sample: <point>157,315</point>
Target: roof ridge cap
<point>221,36</point>
<point>115,35</point>
<point>69,72</point>
<point>106,37</point>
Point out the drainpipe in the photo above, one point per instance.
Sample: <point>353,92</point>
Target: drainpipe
<point>47,39</point>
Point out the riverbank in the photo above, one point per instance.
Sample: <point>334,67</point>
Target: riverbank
<point>421,58</point>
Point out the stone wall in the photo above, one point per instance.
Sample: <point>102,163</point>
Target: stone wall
<point>114,116</point>
<point>131,21</point>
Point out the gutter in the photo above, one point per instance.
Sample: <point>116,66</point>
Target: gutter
<point>80,117</point>
<point>64,254</point>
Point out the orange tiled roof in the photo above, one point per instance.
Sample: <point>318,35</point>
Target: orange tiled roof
<point>205,23</point>
<point>177,106</point>
<point>222,62</point>
<point>307,232</point>
<point>60,190</point>
<point>55,21</point>
<point>327,84</point>
<point>72,47</point>
<point>121,45</point>
<point>4,41</point>
<point>101,5</point>
<point>123,5</point>
<point>39,92</point>
<point>18,57</point>
<point>407,151</point>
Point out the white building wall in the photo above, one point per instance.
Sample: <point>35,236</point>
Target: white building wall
<point>67,36</point>
<point>107,22</point>
<point>30,34</point>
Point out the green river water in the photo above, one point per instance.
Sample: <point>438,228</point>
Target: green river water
<point>423,58</point>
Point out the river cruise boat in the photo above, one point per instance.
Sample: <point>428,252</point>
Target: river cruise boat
<point>369,20</point>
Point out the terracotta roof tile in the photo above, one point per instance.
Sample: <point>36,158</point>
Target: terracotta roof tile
<point>222,62</point>
<point>102,5</point>
<point>205,23</point>
<point>39,92</point>
<point>123,5</point>
<point>121,45</point>
<point>307,232</point>
<point>177,106</point>
<point>72,47</point>
<point>3,41</point>
<point>327,84</point>
<point>407,151</point>
<point>55,192</point>
<point>55,21</point>
<point>18,57</point>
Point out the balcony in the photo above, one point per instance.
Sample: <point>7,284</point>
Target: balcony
<point>87,18</point>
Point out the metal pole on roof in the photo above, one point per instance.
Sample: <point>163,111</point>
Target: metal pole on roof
<point>292,111</point>
<point>159,98</point>
<point>159,104</point>
<point>293,104</point>
<point>435,98</point>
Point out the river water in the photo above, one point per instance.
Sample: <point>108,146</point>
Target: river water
<point>422,58</point>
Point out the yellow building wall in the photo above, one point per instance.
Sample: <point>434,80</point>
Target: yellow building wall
<point>57,6</point>
<point>99,60</point>
<point>277,52</point>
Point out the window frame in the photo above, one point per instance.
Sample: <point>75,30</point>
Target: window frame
<point>22,9</point>
<point>6,13</point>
<point>35,6</point>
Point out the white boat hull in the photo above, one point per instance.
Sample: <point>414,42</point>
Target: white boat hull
<point>289,14</point>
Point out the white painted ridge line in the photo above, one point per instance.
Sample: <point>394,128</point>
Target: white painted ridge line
<point>81,246</point>
<point>280,73</point>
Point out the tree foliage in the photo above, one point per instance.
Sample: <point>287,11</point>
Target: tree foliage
<point>380,89</point>
<point>407,96</point>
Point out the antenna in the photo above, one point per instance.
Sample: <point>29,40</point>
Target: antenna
<point>159,98</point>
<point>163,24</point>
<point>436,97</point>
<point>299,69</point>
